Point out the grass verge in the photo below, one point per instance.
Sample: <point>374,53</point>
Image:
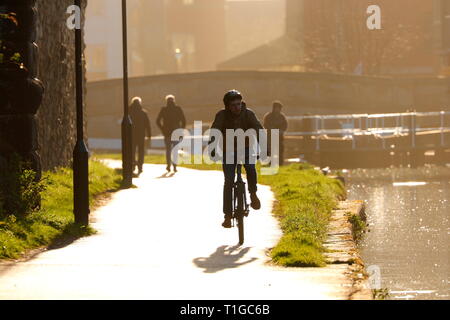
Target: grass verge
<point>305,200</point>
<point>54,222</point>
<point>161,159</point>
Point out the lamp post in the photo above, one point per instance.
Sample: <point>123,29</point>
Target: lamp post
<point>80,152</point>
<point>127,155</point>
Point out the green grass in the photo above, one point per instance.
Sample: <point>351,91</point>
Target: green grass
<point>161,159</point>
<point>155,159</point>
<point>359,226</point>
<point>305,200</point>
<point>54,222</point>
<point>381,294</point>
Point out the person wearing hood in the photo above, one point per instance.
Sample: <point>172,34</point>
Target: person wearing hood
<point>170,118</point>
<point>141,129</point>
<point>235,116</point>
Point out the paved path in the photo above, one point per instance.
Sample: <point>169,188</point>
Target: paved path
<point>163,240</point>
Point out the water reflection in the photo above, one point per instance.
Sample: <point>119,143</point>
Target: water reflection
<point>408,214</point>
<point>409,184</point>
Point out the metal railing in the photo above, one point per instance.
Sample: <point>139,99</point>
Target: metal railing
<point>385,126</point>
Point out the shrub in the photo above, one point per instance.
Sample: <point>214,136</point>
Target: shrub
<point>20,190</point>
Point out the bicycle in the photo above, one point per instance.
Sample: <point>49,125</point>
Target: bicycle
<point>240,206</point>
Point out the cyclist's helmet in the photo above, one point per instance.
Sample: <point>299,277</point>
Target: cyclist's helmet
<point>230,96</point>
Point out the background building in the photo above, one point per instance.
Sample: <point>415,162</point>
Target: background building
<point>442,22</point>
<point>250,24</point>
<point>103,39</point>
<point>170,36</point>
<point>332,36</point>
<point>196,31</point>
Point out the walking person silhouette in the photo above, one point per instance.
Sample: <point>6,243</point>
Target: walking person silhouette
<point>170,118</point>
<point>141,129</point>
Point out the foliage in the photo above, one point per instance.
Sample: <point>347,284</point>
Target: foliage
<point>381,294</point>
<point>338,40</point>
<point>54,221</point>
<point>10,17</point>
<point>20,190</point>
<point>305,200</point>
<point>8,54</point>
<point>358,226</point>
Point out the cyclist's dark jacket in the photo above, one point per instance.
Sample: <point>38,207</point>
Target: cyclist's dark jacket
<point>225,119</point>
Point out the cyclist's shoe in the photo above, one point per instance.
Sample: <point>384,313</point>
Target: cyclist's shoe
<point>255,203</point>
<point>227,222</point>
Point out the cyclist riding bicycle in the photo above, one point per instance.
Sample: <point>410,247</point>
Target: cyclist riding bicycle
<point>235,116</point>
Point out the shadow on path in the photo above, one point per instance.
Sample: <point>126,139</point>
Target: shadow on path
<point>166,175</point>
<point>224,257</point>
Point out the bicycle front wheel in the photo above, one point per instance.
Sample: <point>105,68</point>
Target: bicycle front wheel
<point>240,223</point>
<point>240,194</point>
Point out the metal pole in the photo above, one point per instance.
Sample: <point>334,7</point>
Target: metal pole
<point>127,155</point>
<point>412,129</point>
<point>80,152</point>
<point>353,134</point>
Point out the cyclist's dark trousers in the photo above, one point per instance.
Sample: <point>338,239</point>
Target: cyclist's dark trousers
<point>169,146</point>
<point>229,171</point>
<point>139,148</point>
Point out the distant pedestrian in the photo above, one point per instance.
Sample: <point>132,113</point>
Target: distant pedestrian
<point>141,129</point>
<point>277,120</point>
<point>170,118</point>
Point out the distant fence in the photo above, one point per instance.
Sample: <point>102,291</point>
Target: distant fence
<point>377,126</point>
<point>357,140</point>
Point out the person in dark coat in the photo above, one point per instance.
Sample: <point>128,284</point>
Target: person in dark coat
<point>277,120</point>
<point>235,116</point>
<point>141,129</point>
<point>170,118</point>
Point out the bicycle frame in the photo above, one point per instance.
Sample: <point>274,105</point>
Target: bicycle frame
<point>240,206</point>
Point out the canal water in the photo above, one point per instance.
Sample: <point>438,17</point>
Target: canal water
<point>408,212</point>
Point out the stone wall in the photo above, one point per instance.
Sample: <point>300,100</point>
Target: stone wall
<point>56,116</point>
